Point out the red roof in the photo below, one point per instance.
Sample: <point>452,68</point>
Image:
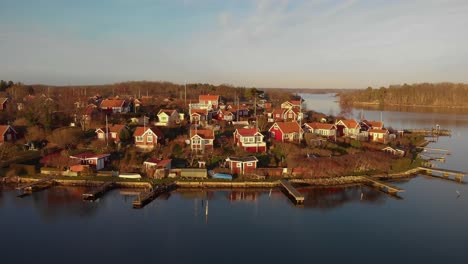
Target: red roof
<point>116,128</point>
<point>208,97</point>
<point>295,102</point>
<point>2,101</point>
<point>317,125</point>
<point>349,123</point>
<point>4,128</point>
<point>203,133</point>
<point>289,127</point>
<point>139,131</point>
<point>110,103</point>
<point>199,111</point>
<point>89,155</point>
<point>247,132</point>
<point>378,131</point>
<point>158,162</point>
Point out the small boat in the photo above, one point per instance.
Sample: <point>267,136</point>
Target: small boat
<point>130,176</point>
<point>223,176</point>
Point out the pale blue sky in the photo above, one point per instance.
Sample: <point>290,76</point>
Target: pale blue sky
<point>277,43</point>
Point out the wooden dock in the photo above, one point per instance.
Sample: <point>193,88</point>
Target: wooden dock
<point>383,186</point>
<point>444,173</point>
<point>98,191</point>
<point>147,196</point>
<point>293,192</point>
<point>29,188</point>
<point>431,132</point>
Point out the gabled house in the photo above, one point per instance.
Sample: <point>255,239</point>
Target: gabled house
<point>167,117</point>
<point>114,132</point>
<point>115,106</point>
<point>322,129</point>
<point>3,103</point>
<point>7,134</point>
<point>240,111</point>
<point>96,161</point>
<point>250,139</point>
<point>285,114</point>
<point>378,135</point>
<point>200,116</point>
<point>286,131</point>
<point>291,104</point>
<point>201,139</point>
<point>347,127</point>
<point>366,125</point>
<point>147,137</point>
<point>156,168</point>
<point>225,115</point>
<point>242,165</point>
<point>211,101</point>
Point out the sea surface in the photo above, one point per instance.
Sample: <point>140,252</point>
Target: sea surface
<point>429,224</point>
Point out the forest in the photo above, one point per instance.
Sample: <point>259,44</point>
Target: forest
<point>453,95</point>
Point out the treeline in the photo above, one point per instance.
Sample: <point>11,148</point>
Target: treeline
<point>421,94</point>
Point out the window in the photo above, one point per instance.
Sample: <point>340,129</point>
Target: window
<point>239,165</point>
<point>258,139</point>
<point>139,139</point>
<point>249,164</point>
<point>207,141</point>
<point>149,138</point>
<point>196,141</point>
<point>113,135</point>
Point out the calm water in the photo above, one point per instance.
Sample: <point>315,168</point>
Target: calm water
<point>428,225</point>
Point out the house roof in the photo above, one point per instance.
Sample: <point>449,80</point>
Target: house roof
<point>349,123</point>
<point>89,155</point>
<point>288,127</point>
<point>116,128</point>
<point>373,123</point>
<point>4,129</point>
<point>317,125</point>
<point>379,131</point>
<point>168,112</point>
<point>199,111</point>
<point>3,100</point>
<point>208,97</point>
<point>295,102</point>
<point>243,159</point>
<point>247,132</point>
<point>110,103</point>
<point>203,133</point>
<point>140,131</point>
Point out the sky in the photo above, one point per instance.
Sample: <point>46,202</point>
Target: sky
<point>253,43</point>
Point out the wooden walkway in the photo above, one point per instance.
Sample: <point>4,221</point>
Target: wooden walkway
<point>385,187</point>
<point>444,173</point>
<point>98,192</point>
<point>41,184</point>
<point>147,196</point>
<point>292,191</point>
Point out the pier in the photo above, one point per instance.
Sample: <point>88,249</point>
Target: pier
<point>98,192</point>
<point>444,173</point>
<point>147,196</point>
<point>41,184</point>
<point>385,187</point>
<point>293,192</point>
<point>431,132</point>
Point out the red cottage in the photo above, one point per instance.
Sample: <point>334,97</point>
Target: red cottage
<point>286,131</point>
<point>242,165</point>
<point>147,138</point>
<point>7,134</point>
<point>250,139</point>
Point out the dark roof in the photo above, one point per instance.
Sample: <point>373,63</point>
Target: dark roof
<point>243,159</point>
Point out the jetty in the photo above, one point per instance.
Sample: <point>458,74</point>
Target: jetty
<point>430,132</point>
<point>293,192</point>
<point>98,191</point>
<point>145,197</point>
<point>382,186</point>
<point>41,184</point>
<point>444,173</point>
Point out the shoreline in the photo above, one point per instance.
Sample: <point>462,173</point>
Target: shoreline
<point>197,184</point>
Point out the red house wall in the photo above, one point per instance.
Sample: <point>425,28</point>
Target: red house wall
<point>278,134</point>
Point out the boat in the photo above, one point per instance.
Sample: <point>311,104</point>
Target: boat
<point>218,175</point>
<point>130,176</point>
